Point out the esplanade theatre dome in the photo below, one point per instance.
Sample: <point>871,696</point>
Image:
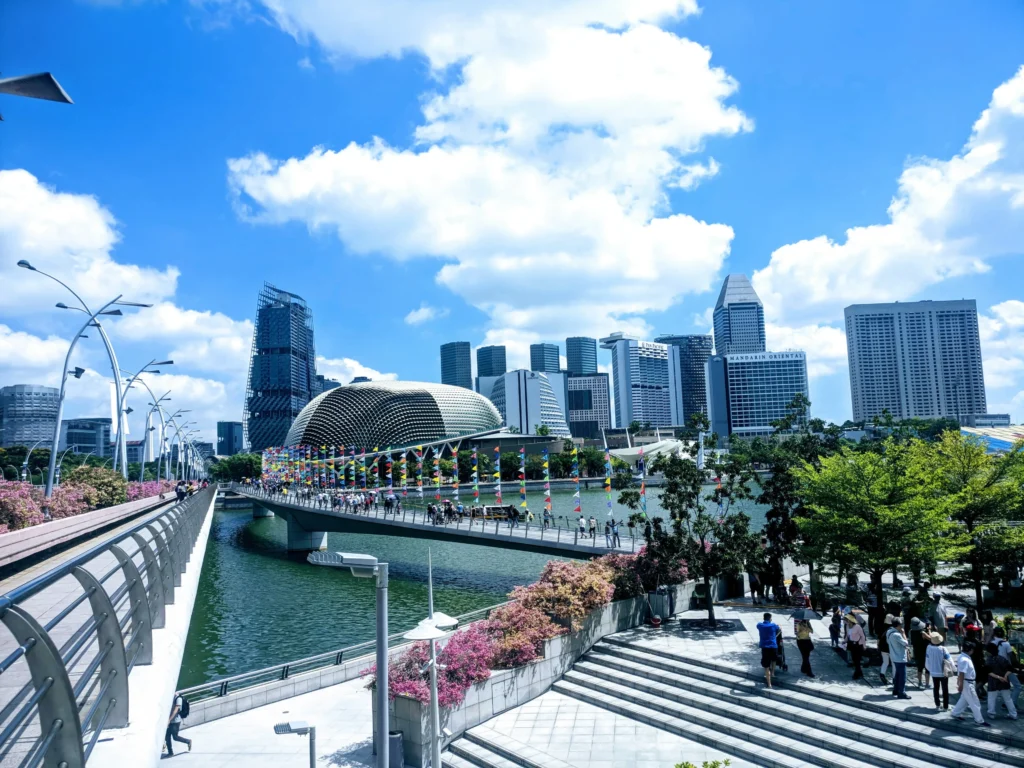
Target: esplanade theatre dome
<point>392,414</point>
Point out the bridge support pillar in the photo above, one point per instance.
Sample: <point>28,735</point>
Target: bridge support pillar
<point>301,540</point>
<point>260,511</point>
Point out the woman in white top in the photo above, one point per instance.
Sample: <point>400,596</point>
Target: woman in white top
<point>934,659</point>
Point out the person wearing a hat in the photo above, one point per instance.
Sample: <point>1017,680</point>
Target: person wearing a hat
<point>883,648</point>
<point>898,645</point>
<point>919,638</point>
<point>935,660</point>
<point>855,642</point>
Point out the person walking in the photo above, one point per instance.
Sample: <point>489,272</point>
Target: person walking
<point>919,636</point>
<point>988,628</point>
<point>767,631</point>
<point>616,541</point>
<point>855,643</point>
<point>999,683</point>
<point>835,626</point>
<point>173,726</point>
<point>608,534</point>
<point>1007,652</point>
<point>883,648</point>
<point>936,659</point>
<point>965,686</point>
<point>547,518</point>
<point>898,645</point>
<point>940,616</point>
<point>593,527</point>
<point>583,526</point>
<point>804,641</point>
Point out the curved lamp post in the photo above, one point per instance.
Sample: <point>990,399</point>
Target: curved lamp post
<point>105,309</point>
<point>60,463</point>
<point>126,410</point>
<point>177,429</point>
<point>103,334</point>
<point>149,415</point>
<point>24,464</point>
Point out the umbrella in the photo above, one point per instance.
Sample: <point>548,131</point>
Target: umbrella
<point>805,614</point>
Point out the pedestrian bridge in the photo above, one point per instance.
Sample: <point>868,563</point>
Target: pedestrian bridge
<point>309,524</point>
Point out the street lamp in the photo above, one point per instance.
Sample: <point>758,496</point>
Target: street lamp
<point>432,629</point>
<point>300,728</point>
<point>60,463</point>
<point>24,464</point>
<point>364,567</point>
<point>123,400</point>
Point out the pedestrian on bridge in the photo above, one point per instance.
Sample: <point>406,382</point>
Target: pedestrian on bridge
<point>593,527</point>
<point>173,725</point>
<point>608,534</point>
<point>583,526</point>
<point>616,541</point>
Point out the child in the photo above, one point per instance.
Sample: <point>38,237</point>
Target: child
<point>781,653</point>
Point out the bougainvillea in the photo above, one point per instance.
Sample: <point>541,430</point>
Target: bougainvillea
<point>568,591</point>
<point>18,505</point>
<point>67,500</point>
<point>634,575</point>
<point>517,634</point>
<point>149,488</point>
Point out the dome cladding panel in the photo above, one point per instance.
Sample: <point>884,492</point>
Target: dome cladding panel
<point>391,414</point>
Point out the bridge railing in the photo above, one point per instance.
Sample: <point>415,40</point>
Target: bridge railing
<point>545,533</point>
<point>230,685</point>
<point>79,631</point>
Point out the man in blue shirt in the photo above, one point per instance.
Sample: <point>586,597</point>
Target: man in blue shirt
<point>767,631</point>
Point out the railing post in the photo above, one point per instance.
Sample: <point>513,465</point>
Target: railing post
<point>58,704</point>
<point>114,666</point>
<point>141,626</point>
<point>154,580</point>
<point>163,549</point>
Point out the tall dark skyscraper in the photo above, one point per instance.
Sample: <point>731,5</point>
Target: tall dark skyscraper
<point>580,355</point>
<point>738,318</point>
<point>229,438</point>
<point>544,358</point>
<point>282,373</point>
<point>687,356</point>
<point>456,364</point>
<point>490,361</point>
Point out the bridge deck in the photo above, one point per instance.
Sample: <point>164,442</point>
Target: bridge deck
<point>414,523</point>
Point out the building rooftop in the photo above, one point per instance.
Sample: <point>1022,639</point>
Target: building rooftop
<point>737,290</point>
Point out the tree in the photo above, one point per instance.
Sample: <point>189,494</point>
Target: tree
<point>981,492</point>
<point>875,511</point>
<point>542,431</point>
<point>236,468</point>
<point>634,427</point>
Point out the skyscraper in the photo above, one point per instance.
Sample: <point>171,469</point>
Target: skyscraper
<point>580,355</point>
<point>588,411</point>
<point>738,318</point>
<point>687,358</point>
<point>640,380</point>
<point>90,435</point>
<point>527,400</point>
<point>747,392</point>
<point>544,358</point>
<point>321,384</point>
<point>490,361</point>
<point>229,438</point>
<point>456,364</point>
<point>283,370</point>
<point>919,359</point>
<point>28,413</point>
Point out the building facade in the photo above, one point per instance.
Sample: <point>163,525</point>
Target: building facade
<point>230,438</point>
<point>282,374</point>
<point>86,436</point>
<point>544,358</point>
<point>589,405</point>
<point>456,365</point>
<point>747,392</point>
<point>738,318</point>
<point>527,401</point>
<point>580,355</point>
<point>490,361</point>
<point>640,380</point>
<point>321,384</point>
<point>919,359</point>
<point>687,381</point>
<point>28,414</point>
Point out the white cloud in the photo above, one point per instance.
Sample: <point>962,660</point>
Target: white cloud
<point>949,218</point>
<point>344,369</point>
<point>71,236</point>
<point>545,151</point>
<point>1010,312</point>
<point>305,63</point>
<point>825,346</point>
<point>425,314</point>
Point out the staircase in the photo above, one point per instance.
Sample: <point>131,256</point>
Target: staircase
<point>483,747</point>
<point>793,724</point>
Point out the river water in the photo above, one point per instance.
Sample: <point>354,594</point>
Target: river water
<point>257,606</point>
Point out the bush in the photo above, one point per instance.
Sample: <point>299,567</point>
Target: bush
<point>517,633</point>
<point>148,489</point>
<point>568,591</point>
<point>19,505</point>
<point>68,500</point>
<point>111,488</point>
<point>635,575</point>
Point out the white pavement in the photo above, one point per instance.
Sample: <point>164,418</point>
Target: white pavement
<point>341,715</point>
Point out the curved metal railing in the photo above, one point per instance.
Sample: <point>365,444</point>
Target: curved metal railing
<point>222,687</point>
<point>78,630</point>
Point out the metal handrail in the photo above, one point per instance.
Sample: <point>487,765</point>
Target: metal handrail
<point>80,688</point>
<point>222,687</point>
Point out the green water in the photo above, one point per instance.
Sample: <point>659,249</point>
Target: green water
<point>257,606</point>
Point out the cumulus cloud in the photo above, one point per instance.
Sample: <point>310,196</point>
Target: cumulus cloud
<point>425,314</point>
<point>344,369</point>
<point>546,149</point>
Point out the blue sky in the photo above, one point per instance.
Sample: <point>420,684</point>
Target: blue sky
<point>515,172</point>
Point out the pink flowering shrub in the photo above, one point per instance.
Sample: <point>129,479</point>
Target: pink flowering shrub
<point>517,634</point>
<point>145,490</point>
<point>68,500</point>
<point>19,506</point>
<point>568,591</point>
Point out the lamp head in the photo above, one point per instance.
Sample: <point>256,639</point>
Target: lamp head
<point>165,362</point>
<point>425,630</point>
<point>77,372</point>
<point>25,265</point>
<point>61,305</point>
<point>115,312</point>
<point>299,727</point>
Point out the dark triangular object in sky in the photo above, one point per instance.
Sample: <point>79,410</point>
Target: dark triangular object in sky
<point>41,86</point>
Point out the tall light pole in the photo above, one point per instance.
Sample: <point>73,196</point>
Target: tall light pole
<point>24,464</point>
<point>103,334</point>
<point>105,309</point>
<point>60,463</point>
<point>124,405</point>
<point>177,430</point>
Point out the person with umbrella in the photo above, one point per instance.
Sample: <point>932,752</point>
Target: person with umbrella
<point>804,637</point>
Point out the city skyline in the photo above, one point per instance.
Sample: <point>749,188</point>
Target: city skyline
<point>196,227</point>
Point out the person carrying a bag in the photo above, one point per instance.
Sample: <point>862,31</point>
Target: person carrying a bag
<point>940,666</point>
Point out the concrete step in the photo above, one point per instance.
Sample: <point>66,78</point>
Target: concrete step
<point>820,698</point>
<point>949,748</point>
<point>818,732</point>
<point>477,755</point>
<point>733,739</point>
<point>512,749</point>
<point>451,760</point>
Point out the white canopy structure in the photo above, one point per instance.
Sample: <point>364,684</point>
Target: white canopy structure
<point>651,450</point>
